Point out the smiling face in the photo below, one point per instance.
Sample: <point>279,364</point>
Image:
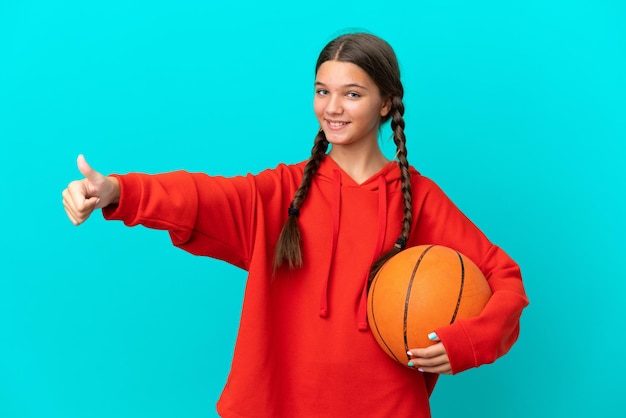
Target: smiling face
<point>348,104</point>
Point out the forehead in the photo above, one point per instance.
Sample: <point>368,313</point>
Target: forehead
<point>340,73</point>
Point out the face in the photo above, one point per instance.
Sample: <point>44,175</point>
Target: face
<point>348,104</point>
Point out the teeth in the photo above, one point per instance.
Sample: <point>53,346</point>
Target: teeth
<point>336,124</point>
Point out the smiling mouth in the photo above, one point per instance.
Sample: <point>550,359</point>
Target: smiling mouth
<point>336,124</point>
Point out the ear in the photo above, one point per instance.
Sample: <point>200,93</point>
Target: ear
<point>386,107</point>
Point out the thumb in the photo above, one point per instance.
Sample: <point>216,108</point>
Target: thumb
<point>85,169</point>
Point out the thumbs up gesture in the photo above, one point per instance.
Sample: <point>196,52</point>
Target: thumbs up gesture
<point>82,197</point>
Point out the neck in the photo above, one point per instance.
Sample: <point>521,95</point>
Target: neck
<point>359,165</point>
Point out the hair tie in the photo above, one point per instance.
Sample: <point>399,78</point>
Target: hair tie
<point>293,212</point>
<point>400,243</point>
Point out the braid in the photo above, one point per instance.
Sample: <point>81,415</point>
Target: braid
<point>288,247</point>
<point>397,126</point>
<point>317,155</point>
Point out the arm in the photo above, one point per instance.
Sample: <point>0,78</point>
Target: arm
<point>469,342</point>
<point>204,215</point>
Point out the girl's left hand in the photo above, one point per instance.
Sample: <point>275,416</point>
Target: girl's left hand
<point>433,359</point>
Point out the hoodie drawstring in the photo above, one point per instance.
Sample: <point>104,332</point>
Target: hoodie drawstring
<point>335,214</point>
<point>361,316</point>
<point>382,230</point>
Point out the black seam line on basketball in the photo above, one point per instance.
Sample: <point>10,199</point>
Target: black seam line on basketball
<point>458,300</point>
<point>407,299</point>
<point>373,290</point>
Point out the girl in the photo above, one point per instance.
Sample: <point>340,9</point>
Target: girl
<point>310,235</point>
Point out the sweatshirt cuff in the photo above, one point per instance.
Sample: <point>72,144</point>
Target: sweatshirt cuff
<point>128,203</point>
<point>458,347</point>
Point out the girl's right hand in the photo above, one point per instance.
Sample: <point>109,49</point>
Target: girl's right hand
<point>82,197</point>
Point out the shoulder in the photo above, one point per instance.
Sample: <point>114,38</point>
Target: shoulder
<point>425,189</point>
<point>418,178</point>
<point>282,170</point>
<point>284,178</point>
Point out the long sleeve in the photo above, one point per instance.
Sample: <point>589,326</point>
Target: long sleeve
<point>480,340</point>
<point>209,216</point>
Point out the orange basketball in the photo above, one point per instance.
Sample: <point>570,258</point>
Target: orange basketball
<point>419,290</point>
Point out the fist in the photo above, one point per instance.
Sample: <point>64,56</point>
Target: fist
<point>82,197</point>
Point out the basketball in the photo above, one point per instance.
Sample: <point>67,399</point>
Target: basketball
<point>419,290</point>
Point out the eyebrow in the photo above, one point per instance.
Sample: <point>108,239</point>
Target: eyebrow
<point>319,83</point>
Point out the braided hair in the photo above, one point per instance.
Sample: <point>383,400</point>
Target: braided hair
<point>288,247</point>
<point>376,57</point>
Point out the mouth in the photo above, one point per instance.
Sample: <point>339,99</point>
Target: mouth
<point>336,124</point>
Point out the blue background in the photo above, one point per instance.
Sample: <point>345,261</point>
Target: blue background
<point>516,109</point>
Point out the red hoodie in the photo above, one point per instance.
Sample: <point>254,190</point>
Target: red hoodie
<point>304,348</point>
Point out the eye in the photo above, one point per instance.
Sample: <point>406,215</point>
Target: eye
<point>353,95</point>
<point>321,92</point>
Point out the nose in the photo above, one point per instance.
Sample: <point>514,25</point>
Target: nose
<point>333,106</point>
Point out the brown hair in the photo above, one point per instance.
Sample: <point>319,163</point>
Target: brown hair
<point>376,57</point>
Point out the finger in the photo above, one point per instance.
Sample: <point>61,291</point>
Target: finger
<point>439,364</point>
<point>77,206</point>
<point>75,216</point>
<point>86,170</point>
<point>432,337</point>
<point>431,361</point>
<point>71,216</point>
<point>76,195</point>
<point>441,369</point>
<point>431,351</point>
<point>69,210</point>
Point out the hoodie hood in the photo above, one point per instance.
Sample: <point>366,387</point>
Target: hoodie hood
<point>355,203</point>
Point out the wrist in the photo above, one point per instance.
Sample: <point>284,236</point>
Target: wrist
<point>115,190</point>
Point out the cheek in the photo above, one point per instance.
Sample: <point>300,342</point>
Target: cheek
<point>318,108</point>
<point>369,116</point>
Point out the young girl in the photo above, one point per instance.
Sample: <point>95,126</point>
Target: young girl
<point>310,235</point>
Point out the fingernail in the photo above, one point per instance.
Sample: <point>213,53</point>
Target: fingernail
<point>409,353</point>
<point>411,364</point>
<point>432,336</point>
<point>420,370</point>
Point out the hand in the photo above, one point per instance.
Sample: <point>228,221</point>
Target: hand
<point>82,197</point>
<point>432,359</point>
